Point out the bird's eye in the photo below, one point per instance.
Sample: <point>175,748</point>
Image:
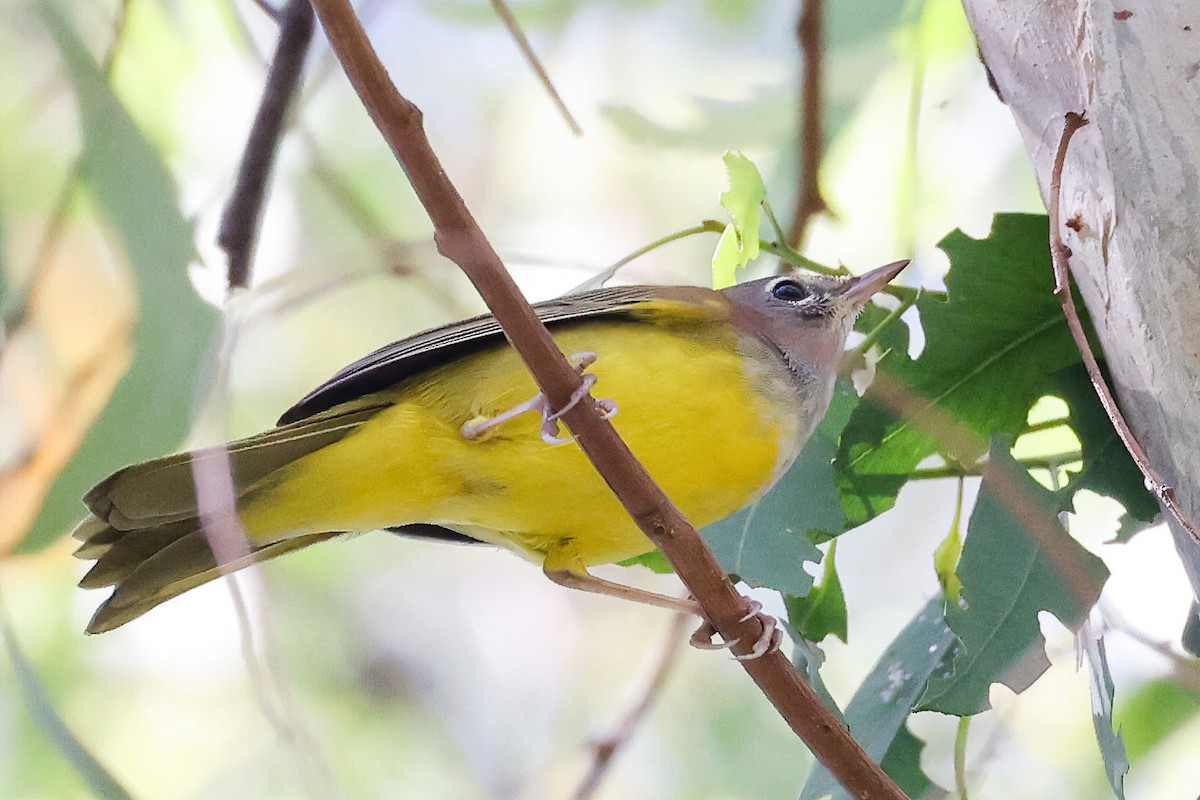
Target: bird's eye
<point>789,291</point>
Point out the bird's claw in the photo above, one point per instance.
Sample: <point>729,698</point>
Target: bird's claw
<point>475,429</point>
<point>768,642</point>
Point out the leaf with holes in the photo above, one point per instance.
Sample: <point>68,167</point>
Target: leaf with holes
<point>1108,469</point>
<point>990,350</point>
<point>823,610</point>
<point>877,713</point>
<point>1017,562</point>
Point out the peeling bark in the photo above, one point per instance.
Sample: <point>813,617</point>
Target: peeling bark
<point>1131,189</point>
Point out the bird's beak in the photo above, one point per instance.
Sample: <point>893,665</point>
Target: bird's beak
<point>859,289</point>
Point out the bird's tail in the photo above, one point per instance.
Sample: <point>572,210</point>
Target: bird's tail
<point>145,535</point>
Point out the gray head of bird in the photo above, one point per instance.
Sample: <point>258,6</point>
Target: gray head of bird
<point>805,315</point>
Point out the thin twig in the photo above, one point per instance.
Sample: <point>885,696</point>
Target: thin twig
<point>1045,425</point>
<point>518,35</point>
<point>860,350</point>
<point>1184,669</point>
<point>216,504</point>
<point>240,220</point>
<point>216,494</point>
<point>1061,256</point>
<point>605,748</point>
<point>271,11</point>
<point>459,238</point>
<point>908,195</point>
<point>810,35</point>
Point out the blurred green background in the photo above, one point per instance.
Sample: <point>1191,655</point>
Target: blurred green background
<point>393,668</point>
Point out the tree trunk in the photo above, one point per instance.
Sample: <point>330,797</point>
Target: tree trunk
<point>1131,185</point>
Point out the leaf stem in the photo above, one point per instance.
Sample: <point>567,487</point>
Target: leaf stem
<point>895,314</point>
<point>1045,425</point>
<point>707,226</point>
<point>775,226</point>
<point>796,259</point>
<point>960,471</point>
<point>960,757</point>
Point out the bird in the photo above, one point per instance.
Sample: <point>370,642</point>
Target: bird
<point>445,435</point>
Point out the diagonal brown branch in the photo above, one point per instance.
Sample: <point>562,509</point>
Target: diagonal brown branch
<point>1060,253</point>
<point>459,238</point>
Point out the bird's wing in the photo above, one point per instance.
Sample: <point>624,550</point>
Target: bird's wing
<point>401,360</point>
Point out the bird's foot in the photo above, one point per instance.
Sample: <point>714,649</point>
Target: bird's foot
<point>768,642</point>
<point>480,426</point>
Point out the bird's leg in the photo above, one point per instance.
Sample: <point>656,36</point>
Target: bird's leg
<point>476,428</point>
<point>564,567</point>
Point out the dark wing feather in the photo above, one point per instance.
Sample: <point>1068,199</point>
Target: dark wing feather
<point>400,360</point>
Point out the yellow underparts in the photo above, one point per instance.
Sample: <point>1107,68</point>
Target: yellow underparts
<point>711,428</point>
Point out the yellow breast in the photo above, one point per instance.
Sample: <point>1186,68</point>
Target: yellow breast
<point>711,414</point>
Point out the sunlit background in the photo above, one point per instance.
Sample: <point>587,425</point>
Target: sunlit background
<point>395,668</point>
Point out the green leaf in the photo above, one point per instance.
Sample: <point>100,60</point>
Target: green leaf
<point>738,245</point>
<point>811,480</point>
<point>877,712</point>
<point>41,708</point>
<point>654,561</point>
<point>1154,712</point>
<point>726,258</point>
<point>862,496</point>
<point>766,543</point>
<point>947,554</point>
<point>823,610</point>
<point>990,350</point>
<point>1010,571</point>
<point>149,411</point>
<point>1112,749</point>
<point>902,762</point>
<point>807,658</point>
<point>1108,469</point>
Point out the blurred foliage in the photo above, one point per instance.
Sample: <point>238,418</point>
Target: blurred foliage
<point>149,413</point>
<point>1155,711</point>
<point>42,710</point>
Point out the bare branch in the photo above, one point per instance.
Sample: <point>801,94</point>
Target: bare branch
<point>459,238</point>
<point>1060,254</point>
<point>810,35</point>
<point>605,748</point>
<point>240,220</point>
<point>518,35</point>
